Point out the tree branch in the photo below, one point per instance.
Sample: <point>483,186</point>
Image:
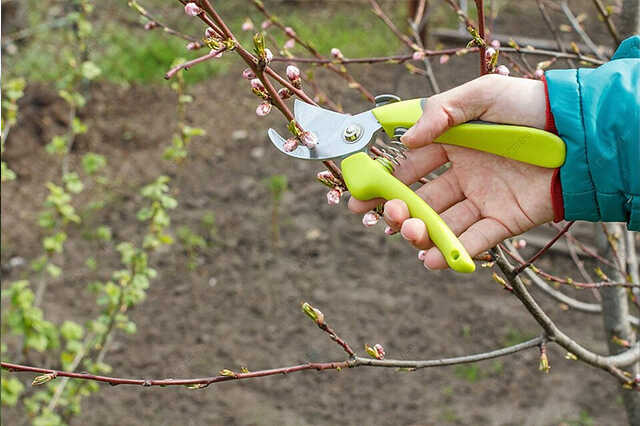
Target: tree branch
<point>609,364</point>
<point>606,16</point>
<point>578,28</point>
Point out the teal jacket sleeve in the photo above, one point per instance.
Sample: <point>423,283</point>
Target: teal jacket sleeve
<point>597,114</point>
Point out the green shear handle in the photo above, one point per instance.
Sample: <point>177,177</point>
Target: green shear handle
<point>367,178</point>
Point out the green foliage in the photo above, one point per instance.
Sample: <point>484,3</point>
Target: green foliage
<point>192,244</point>
<point>103,233</point>
<point>72,182</point>
<point>190,240</point>
<point>57,207</point>
<point>179,148</point>
<point>24,319</point>
<point>11,389</point>
<point>7,173</point>
<point>12,91</point>
<point>58,145</point>
<point>277,185</point>
<point>54,243</point>
<point>93,163</point>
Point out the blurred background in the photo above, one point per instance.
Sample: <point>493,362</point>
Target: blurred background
<point>116,171</point>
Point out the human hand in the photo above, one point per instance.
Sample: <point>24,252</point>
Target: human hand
<point>482,197</point>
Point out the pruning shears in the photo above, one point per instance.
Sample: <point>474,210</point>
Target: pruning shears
<point>349,137</point>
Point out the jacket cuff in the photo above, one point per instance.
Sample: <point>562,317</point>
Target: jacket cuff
<point>556,187</point>
<point>578,190</point>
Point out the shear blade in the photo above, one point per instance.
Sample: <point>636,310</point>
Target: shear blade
<point>329,127</point>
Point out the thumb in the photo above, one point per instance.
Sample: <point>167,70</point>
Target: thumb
<point>447,109</point>
<point>492,97</point>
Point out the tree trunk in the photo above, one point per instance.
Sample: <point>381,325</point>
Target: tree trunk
<point>615,308</point>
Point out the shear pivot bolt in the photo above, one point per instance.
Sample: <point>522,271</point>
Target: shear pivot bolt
<point>352,133</point>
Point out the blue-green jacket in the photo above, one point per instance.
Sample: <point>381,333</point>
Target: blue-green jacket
<point>597,114</point>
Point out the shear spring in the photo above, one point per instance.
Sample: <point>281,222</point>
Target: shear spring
<point>394,150</point>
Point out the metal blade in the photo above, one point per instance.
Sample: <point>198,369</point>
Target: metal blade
<point>329,127</point>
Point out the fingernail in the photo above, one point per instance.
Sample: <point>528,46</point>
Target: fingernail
<point>421,255</point>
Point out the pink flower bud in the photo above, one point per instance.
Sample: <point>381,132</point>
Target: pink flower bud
<point>194,45</point>
<point>293,72</point>
<point>256,84</point>
<point>421,255</point>
<point>336,53</point>
<point>284,93</point>
<point>289,31</point>
<point>263,109</point>
<point>444,59</point>
<point>209,32</point>
<point>380,350</point>
<point>495,44</point>
<point>488,54</point>
<point>327,178</point>
<point>265,24</point>
<point>370,219</point>
<point>377,351</point>
<point>325,175</point>
<point>247,25</point>
<point>268,56</point>
<point>290,144</point>
<point>418,55</point>
<point>309,139</point>
<point>333,197</point>
<point>150,25</point>
<point>502,70</point>
<point>521,243</point>
<point>538,74</point>
<point>289,44</point>
<point>389,231</point>
<point>192,9</point>
<point>248,74</point>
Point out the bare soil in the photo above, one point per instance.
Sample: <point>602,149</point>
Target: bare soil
<point>241,305</point>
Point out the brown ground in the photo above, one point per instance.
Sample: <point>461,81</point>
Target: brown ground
<point>240,306</point>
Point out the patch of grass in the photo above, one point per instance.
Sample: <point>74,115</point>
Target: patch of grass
<point>584,419</point>
<point>471,373</point>
<point>515,336</point>
<point>124,56</point>
<point>449,415</point>
<point>127,54</point>
<point>354,36</point>
<point>146,56</point>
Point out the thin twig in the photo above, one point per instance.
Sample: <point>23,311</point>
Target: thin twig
<point>578,305</point>
<point>356,361</point>
<point>569,281</point>
<point>481,32</point>
<point>544,249</point>
<point>189,64</point>
<point>578,28</point>
<point>611,363</point>
<point>353,83</point>
<point>143,11</point>
<point>606,16</point>
<point>552,28</point>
